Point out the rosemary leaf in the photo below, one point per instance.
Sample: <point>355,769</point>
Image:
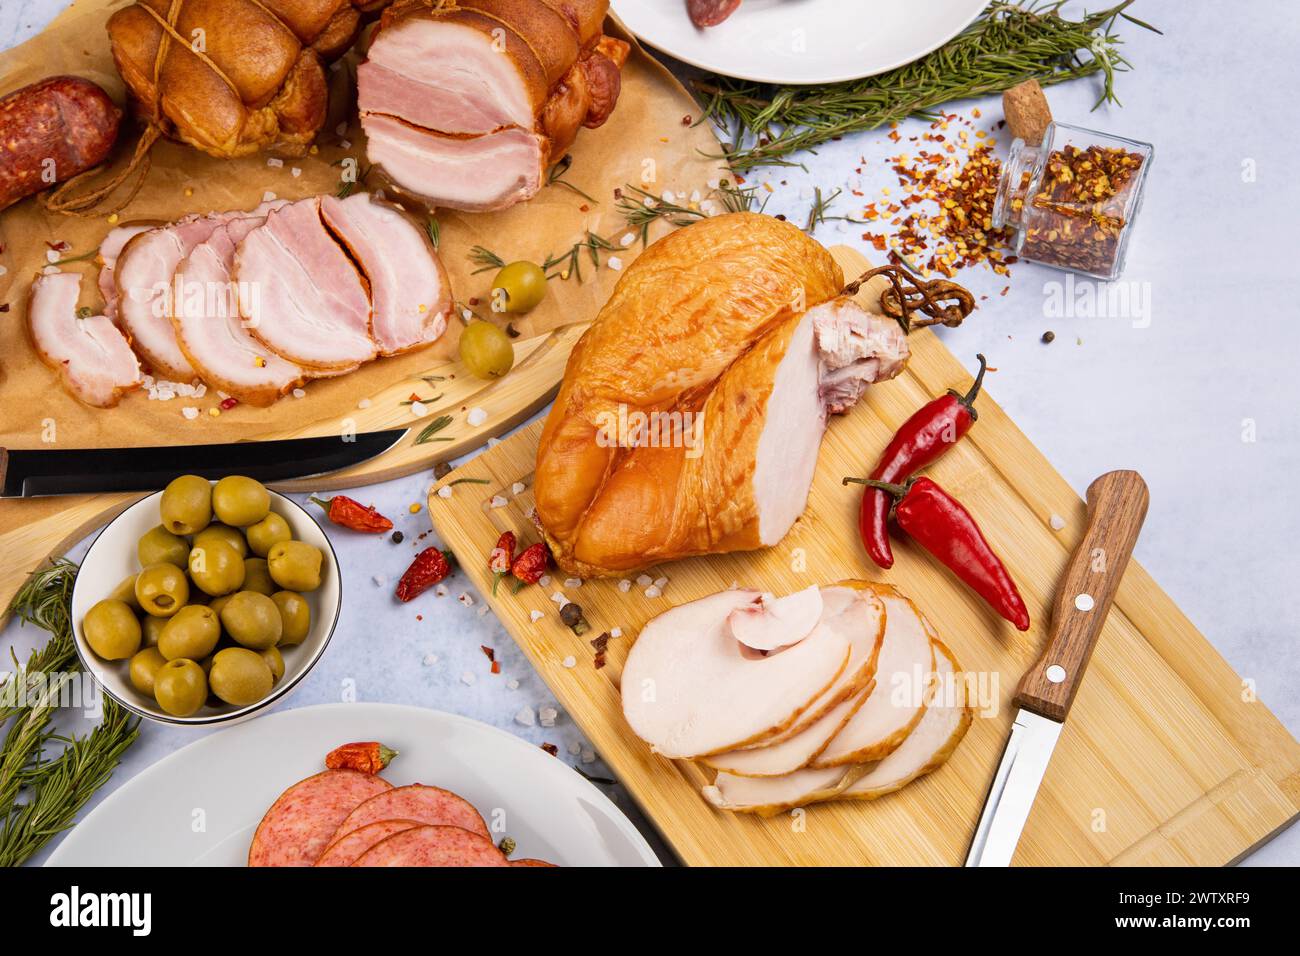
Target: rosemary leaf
<point>468,481</point>
<point>486,259</point>
<point>556,178</point>
<point>431,429</point>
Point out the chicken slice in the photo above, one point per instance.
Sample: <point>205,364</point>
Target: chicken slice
<point>410,293</point>
<point>312,308</point>
<point>768,796</point>
<point>856,349</point>
<point>690,689</point>
<point>90,353</point>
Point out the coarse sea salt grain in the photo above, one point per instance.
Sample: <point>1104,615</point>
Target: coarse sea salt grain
<point>559,598</point>
<point>467,678</point>
<point>517,488</point>
<point>364,403</point>
<point>627,240</point>
<point>644,580</point>
<point>440,590</point>
<point>482,611</point>
<point>1057,522</point>
<point>660,582</point>
<point>498,502</point>
<point>615,263</point>
<point>625,585</point>
<point>190,412</point>
<point>275,162</point>
<point>588,755</point>
<point>525,716</point>
<point>379,580</point>
<point>445,491</point>
<point>476,417</point>
<point>299,393</point>
<point>464,598</point>
<point>573,582</point>
<point>430,660</point>
<point>535,616</point>
<point>615,632</point>
<point>569,662</point>
<point>574,748</point>
<point>295,172</point>
<point>546,716</point>
<point>653,592</point>
<point>544,580</point>
<point>269,196</point>
<point>419,409</point>
<point>512,684</point>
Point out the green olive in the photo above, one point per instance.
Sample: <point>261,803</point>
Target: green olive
<point>295,565</point>
<point>180,687</point>
<point>252,619</point>
<point>151,629</point>
<point>257,576</point>
<point>217,603</point>
<point>186,505</point>
<point>162,589</point>
<point>112,630</point>
<point>216,568</point>
<point>240,501</point>
<point>518,287</point>
<point>240,676</point>
<point>274,660</point>
<point>295,616</point>
<point>125,592</point>
<point>160,546</point>
<point>270,531</point>
<point>192,633</point>
<point>486,350</point>
<point>144,669</point>
<point>223,533</point>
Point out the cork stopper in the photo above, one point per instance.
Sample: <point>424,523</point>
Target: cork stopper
<point>1026,111</point>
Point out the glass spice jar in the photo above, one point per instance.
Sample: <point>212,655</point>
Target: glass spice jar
<point>1070,201</point>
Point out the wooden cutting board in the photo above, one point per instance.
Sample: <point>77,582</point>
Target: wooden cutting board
<point>1167,758</point>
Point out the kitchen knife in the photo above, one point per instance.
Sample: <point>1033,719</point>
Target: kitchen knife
<point>74,471</point>
<point>1117,505</point>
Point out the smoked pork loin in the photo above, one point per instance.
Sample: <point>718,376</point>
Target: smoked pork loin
<point>729,340</point>
<point>465,104</point>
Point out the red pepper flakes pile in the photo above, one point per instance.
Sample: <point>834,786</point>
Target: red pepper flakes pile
<point>945,220</point>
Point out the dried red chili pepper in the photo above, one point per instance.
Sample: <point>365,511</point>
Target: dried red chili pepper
<point>501,558</point>
<point>938,522</point>
<point>350,513</point>
<point>531,564</point>
<point>429,567</point>
<point>367,756</point>
<point>922,440</point>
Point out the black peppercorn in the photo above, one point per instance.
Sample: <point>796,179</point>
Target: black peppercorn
<point>571,614</point>
<point>1048,336</point>
<point>398,537</point>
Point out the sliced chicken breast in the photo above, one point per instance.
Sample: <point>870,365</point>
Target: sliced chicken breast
<point>948,715</point>
<point>312,308</point>
<point>855,348</point>
<point>768,796</point>
<point>209,326</point>
<point>410,293</point>
<point>690,689</point>
<point>897,702</point>
<point>90,353</point>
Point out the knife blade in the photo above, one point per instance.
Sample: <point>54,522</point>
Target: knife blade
<point>29,473</point>
<point>1117,506</point>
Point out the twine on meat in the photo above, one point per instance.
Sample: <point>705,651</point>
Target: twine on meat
<point>941,301</point>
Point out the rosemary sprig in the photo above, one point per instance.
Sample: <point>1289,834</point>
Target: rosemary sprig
<point>1007,45</point>
<point>555,177</point>
<point>486,259</point>
<point>468,481</point>
<point>346,189</point>
<point>821,205</point>
<point>430,431</point>
<point>569,262</point>
<point>434,229</point>
<point>84,257</point>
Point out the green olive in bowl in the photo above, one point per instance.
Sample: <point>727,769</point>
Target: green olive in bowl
<point>295,565</point>
<point>240,676</point>
<point>267,533</point>
<point>186,505</point>
<point>295,617</point>
<point>252,619</point>
<point>216,568</point>
<point>144,669</point>
<point>192,633</point>
<point>160,546</point>
<point>223,533</point>
<point>274,660</point>
<point>162,589</point>
<point>112,630</point>
<point>257,577</point>
<point>180,687</point>
<point>239,501</point>
<point>125,592</point>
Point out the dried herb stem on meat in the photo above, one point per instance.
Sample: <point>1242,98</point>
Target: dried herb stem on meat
<point>1007,45</point>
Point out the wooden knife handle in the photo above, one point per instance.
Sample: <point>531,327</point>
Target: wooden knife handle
<point>1117,506</point>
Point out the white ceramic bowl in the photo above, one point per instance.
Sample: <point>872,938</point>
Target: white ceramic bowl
<point>111,559</point>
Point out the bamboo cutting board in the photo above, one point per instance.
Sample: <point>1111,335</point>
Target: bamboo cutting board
<point>1167,758</point>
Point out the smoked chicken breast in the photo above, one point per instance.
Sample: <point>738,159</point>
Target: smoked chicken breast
<point>691,412</point>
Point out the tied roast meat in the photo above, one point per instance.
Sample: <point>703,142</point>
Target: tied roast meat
<point>691,412</point>
<point>466,103</point>
<point>232,77</point>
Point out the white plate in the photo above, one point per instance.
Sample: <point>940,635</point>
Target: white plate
<point>200,805</point>
<point>112,558</point>
<point>802,41</point>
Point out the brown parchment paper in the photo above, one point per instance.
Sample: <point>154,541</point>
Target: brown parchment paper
<point>649,130</point>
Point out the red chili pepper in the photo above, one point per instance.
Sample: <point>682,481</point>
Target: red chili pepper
<point>938,522</point>
<point>922,440</point>
<point>368,757</point>
<point>531,564</point>
<point>501,558</point>
<point>429,567</point>
<point>350,513</point>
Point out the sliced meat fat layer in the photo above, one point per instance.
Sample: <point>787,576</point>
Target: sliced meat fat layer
<point>474,173</point>
<point>423,804</point>
<point>410,293</point>
<point>897,702</point>
<point>433,846</point>
<point>210,327</point>
<point>312,308</point>
<point>93,357</point>
<point>768,796</point>
<point>855,348</point>
<point>948,715</point>
<point>109,250</point>
<point>298,826</point>
<point>860,616</point>
<point>346,849</point>
<point>690,689</point>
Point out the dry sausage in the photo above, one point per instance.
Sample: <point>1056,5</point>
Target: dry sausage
<point>433,846</point>
<point>300,823</point>
<point>430,805</point>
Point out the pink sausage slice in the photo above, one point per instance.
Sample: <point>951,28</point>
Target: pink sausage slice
<point>345,850</point>
<point>428,805</point>
<point>300,823</point>
<point>433,846</point>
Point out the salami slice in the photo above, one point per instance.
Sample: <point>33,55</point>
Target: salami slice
<point>433,846</point>
<point>345,850</point>
<point>301,821</point>
<point>428,805</point>
<point>709,13</point>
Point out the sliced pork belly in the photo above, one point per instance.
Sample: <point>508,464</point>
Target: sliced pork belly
<point>210,328</point>
<point>312,308</point>
<point>474,173</point>
<point>109,250</point>
<point>410,293</point>
<point>90,353</point>
<point>690,689</point>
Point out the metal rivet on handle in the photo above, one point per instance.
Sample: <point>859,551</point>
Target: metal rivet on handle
<point>1084,602</point>
<point>1056,673</point>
